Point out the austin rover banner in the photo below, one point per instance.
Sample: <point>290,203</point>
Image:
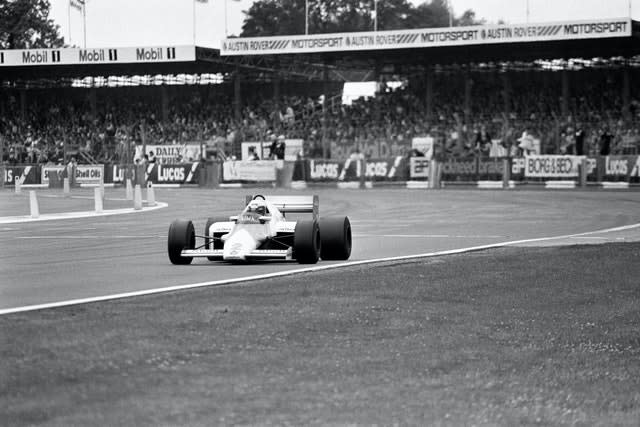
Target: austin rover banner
<point>433,37</point>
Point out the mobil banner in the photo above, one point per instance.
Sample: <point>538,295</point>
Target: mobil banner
<point>552,166</point>
<point>24,174</point>
<point>619,168</point>
<point>256,170</point>
<point>389,169</point>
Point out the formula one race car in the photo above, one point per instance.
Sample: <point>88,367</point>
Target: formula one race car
<point>261,231</point>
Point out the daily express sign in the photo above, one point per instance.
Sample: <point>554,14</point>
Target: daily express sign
<point>75,56</point>
<point>434,37</point>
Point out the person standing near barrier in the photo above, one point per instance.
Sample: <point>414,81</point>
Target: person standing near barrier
<point>277,148</point>
<point>579,140</point>
<point>71,171</point>
<point>605,141</point>
<point>483,141</point>
<point>252,154</point>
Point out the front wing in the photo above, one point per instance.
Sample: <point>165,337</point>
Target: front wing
<point>216,254</point>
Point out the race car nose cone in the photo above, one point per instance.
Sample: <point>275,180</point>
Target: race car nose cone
<point>238,246</point>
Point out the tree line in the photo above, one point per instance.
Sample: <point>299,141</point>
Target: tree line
<point>25,24</point>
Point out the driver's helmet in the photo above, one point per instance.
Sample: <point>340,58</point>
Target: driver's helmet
<point>258,207</point>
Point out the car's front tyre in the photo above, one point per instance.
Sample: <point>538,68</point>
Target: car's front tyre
<point>306,242</point>
<point>181,236</point>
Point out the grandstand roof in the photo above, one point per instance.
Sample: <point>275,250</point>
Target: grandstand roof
<point>304,56</point>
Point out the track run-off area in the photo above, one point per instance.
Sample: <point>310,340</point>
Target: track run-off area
<point>88,258</point>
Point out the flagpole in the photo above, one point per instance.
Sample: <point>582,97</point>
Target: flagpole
<point>306,16</point>
<point>193,10</point>
<point>375,15</point>
<point>69,18</point>
<point>84,22</point>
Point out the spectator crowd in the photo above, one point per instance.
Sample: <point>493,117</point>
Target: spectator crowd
<point>530,117</point>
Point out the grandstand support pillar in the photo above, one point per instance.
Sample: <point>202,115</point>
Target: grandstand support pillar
<point>23,103</point>
<point>467,96</point>
<point>626,93</point>
<point>564,108</point>
<point>381,86</point>
<point>428,96</point>
<point>164,102</point>
<point>325,92</point>
<point>237,94</point>
<point>277,83</point>
<point>92,103</point>
<point>506,94</point>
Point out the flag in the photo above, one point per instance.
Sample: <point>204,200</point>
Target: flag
<point>77,4</point>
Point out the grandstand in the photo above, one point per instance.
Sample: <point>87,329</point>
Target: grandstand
<point>464,87</point>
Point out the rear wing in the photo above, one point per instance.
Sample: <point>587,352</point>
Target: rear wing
<point>293,204</point>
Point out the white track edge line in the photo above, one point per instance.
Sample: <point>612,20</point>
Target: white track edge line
<point>79,214</point>
<point>300,271</point>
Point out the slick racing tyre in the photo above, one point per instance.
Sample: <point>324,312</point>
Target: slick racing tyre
<point>181,236</point>
<point>336,238</point>
<point>214,243</point>
<point>306,242</point>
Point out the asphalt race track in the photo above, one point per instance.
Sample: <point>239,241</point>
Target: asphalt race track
<point>53,261</point>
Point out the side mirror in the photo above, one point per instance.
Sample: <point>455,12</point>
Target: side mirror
<point>233,218</point>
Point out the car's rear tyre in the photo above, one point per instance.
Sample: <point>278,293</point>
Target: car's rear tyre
<point>306,242</point>
<point>181,236</point>
<point>214,243</point>
<point>336,238</point>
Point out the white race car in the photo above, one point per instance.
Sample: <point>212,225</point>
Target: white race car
<point>261,231</point>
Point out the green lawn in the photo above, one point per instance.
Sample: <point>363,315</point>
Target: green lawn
<point>536,336</point>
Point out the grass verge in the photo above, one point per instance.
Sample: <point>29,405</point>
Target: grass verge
<point>513,336</point>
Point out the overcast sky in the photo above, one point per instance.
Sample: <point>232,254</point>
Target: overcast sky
<point>121,23</point>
